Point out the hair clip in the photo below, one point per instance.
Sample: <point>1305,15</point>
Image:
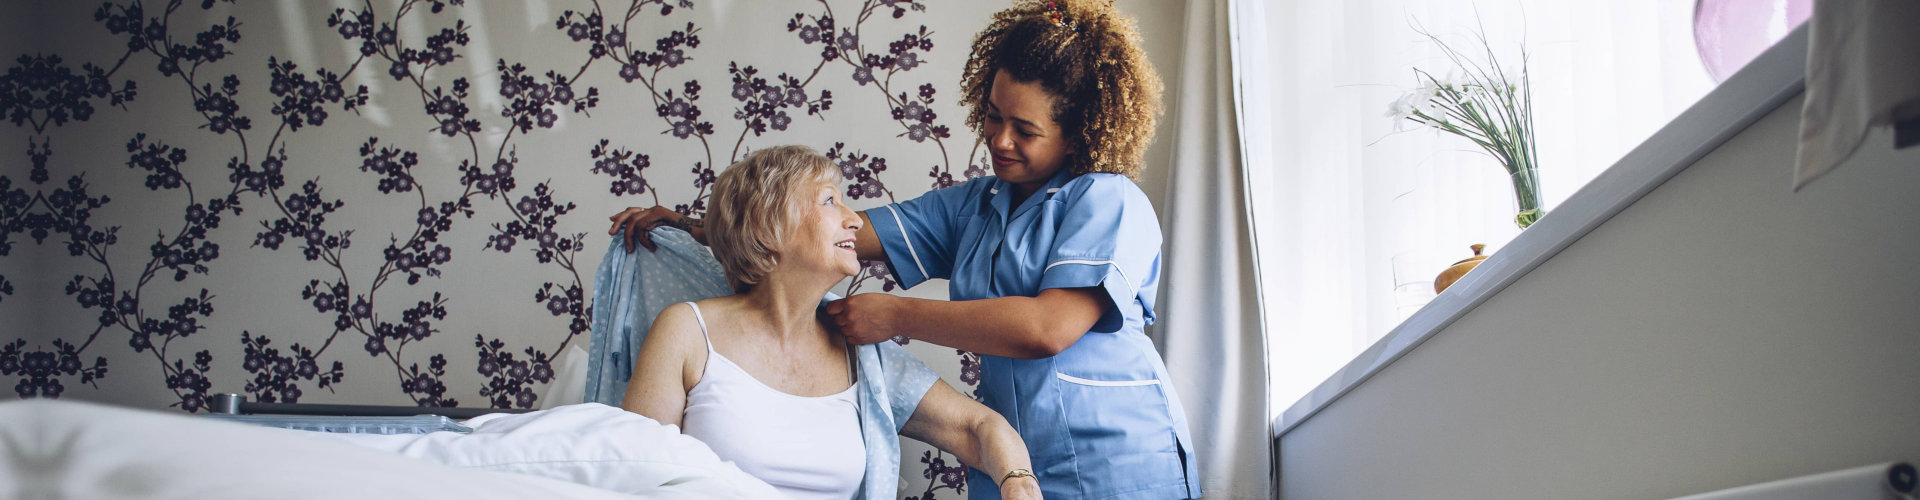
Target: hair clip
<point>1058,14</point>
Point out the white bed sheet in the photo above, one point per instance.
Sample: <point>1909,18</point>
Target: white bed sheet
<point>59,450</point>
<point>590,444</point>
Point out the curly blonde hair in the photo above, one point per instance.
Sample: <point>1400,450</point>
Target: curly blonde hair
<point>1088,55</point>
<point>754,209</point>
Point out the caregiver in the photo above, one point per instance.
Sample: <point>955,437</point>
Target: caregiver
<point>1053,261</point>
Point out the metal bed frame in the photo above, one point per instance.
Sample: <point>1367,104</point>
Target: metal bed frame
<point>236,404</point>
<point>350,419</point>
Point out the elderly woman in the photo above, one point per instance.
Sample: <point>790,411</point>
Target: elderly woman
<point>759,377</point>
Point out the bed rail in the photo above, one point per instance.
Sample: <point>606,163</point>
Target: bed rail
<point>236,404</point>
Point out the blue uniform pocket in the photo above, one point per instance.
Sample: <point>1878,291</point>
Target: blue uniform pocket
<point>1121,433</point>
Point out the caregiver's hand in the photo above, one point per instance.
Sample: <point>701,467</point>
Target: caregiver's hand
<point>639,223</point>
<point>866,318</point>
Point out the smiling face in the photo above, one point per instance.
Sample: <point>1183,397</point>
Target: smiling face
<point>1027,145</point>
<point>822,240</point>
<point>778,211</point>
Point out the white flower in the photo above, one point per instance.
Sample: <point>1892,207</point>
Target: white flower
<point>1401,111</point>
<point>1428,89</point>
<point>1432,107</point>
<point>1401,108</point>
<point>1423,100</point>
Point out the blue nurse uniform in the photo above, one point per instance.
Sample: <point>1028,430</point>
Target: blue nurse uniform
<point>1100,419</point>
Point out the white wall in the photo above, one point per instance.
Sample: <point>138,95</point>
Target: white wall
<point>1720,331</point>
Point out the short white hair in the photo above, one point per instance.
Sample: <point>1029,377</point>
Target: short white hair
<point>754,209</point>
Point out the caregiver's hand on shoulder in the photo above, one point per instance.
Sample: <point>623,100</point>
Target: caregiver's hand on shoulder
<point>639,223</point>
<point>866,318</point>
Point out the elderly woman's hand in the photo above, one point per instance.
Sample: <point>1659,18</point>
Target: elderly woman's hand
<point>866,318</point>
<point>639,222</point>
<point>1022,488</point>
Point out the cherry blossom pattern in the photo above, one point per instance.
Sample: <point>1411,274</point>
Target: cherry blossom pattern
<point>765,105</point>
<point>274,374</point>
<point>913,112</point>
<point>627,168</point>
<point>40,91</point>
<point>512,379</point>
<point>941,475</point>
<point>40,370</point>
<point>300,100</point>
<point>175,58</point>
<point>185,252</point>
<point>678,108</point>
<point>39,214</point>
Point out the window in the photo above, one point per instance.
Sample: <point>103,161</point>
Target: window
<point>1352,218</point>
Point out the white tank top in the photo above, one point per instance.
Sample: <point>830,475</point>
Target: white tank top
<point>805,447</point>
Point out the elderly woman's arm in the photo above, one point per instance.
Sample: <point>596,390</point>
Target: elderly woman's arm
<point>981,438</point>
<point>664,370</point>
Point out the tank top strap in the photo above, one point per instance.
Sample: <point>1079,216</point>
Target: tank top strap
<point>703,327</point>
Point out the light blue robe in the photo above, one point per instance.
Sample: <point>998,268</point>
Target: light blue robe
<point>632,287</point>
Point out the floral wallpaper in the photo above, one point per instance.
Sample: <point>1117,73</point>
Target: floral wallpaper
<point>403,201</point>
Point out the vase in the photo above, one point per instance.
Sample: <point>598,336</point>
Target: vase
<point>1526,196</point>
<point>1459,269</point>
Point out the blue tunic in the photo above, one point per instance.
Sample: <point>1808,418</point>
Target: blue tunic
<point>1100,419</point>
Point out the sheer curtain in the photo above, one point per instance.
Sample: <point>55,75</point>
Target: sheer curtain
<point>1209,309</point>
<point>1353,218</point>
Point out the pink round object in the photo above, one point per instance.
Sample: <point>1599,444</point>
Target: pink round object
<point>1730,33</point>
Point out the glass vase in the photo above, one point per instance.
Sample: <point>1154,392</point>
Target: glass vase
<point>1526,196</point>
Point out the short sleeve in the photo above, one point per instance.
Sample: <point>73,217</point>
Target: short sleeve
<point>907,381</point>
<point>1107,237</point>
<point>919,235</point>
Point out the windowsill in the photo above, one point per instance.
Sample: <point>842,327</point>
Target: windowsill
<point>1771,79</point>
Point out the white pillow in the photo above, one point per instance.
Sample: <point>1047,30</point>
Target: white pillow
<point>569,384</point>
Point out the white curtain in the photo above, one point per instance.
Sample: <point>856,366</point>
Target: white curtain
<point>1353,219</point>
<point>1210,328</point>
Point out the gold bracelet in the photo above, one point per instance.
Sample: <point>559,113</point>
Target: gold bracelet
<point>1016,473</point>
